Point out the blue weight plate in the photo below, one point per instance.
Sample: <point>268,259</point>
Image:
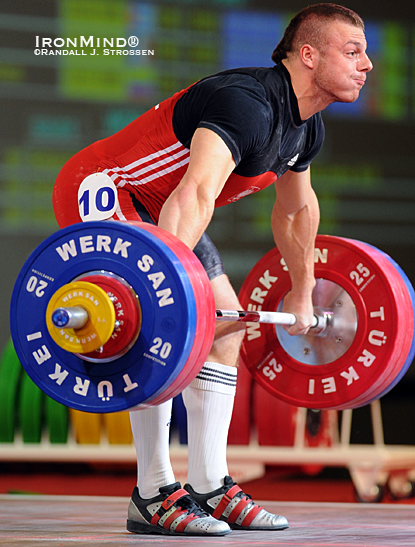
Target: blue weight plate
<point>166,298</point>
<point>411,353</point>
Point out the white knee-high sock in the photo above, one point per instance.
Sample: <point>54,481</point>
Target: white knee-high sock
<point>209,404</point>
<point>151,428</point>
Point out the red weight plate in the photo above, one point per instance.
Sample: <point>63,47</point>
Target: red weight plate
<point>205,328</point>
<point>411,295</point>
<point>205,306</point>
<point>405,308</point>
<point>274,419</point>
<point>379,338</point>
<point>127,315</point>
<point>396,285</point>
<point>387,377</point>
<point>276,422</point>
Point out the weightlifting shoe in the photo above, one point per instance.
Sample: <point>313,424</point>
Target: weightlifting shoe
<point>231,505</point>
<point>173,512</point>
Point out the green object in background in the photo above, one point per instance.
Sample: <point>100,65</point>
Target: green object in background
<point>10,374</point>
<point>30,410</point>
<point>57,419</point>
<point>24,406</point>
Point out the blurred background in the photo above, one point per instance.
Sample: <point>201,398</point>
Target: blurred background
<point>53,105</point>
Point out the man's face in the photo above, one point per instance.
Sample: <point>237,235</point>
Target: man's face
<point>342,63</point>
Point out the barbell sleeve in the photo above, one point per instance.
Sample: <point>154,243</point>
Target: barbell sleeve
<point>74,317</point>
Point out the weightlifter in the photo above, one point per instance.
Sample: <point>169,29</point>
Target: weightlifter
<point>224,137</point>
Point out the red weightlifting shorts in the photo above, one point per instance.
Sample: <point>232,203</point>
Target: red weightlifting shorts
<point>129,176</point>
<point>144,160</point>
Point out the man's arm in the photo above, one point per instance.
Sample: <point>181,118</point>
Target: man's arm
<point>189,208</point>
<point>295,219</point>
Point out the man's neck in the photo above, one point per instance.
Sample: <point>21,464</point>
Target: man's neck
<point>309,97</point>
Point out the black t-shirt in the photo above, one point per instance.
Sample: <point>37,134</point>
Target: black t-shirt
<point>255,112</point>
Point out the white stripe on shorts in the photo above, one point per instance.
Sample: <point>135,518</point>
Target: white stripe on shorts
<point>127,175</point>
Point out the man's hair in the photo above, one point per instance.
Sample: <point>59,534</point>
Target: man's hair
<point>309,25</point>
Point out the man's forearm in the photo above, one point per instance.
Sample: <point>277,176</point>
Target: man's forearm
<point>186,215</point>
<point>189,208</point>
<point>294,235</point>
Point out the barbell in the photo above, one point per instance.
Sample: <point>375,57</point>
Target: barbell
<point>109,316</point>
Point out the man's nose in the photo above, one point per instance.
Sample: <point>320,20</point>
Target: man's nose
<point>365,64</point>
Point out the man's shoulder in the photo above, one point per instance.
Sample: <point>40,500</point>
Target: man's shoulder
<point>250,77</point>
<point>238,78</point>
<point>233,89</point>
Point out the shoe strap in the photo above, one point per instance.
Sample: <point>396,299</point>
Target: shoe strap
<point>239,507</point>
<point>237,510</point>
<point>171,500</point>
<point>174,515</point>
<point>226,499</point>
<point>167,505</point>
<point>252,513</point>
<point>183,523</point>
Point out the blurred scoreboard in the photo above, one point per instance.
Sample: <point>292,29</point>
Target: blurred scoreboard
<point>74,71</point>
<point>64,82</point>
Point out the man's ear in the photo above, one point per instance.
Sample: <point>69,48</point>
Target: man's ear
<point>308,55</point>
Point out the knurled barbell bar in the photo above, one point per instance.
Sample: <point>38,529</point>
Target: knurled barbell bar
<point>113,316</point>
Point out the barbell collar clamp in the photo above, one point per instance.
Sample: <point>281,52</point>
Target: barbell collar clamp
<point>75,317</point>
<point>323,319</point>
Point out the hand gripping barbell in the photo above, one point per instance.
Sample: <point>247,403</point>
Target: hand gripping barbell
<point>78,317</point>
<point>109,316</point>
